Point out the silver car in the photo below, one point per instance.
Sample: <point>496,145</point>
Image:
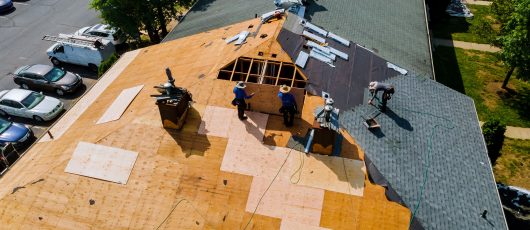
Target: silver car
<point>29,104</point>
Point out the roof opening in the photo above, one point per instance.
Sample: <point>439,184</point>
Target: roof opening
<point>274,55</point>
<point>260,53</point>
<point>263,71</point>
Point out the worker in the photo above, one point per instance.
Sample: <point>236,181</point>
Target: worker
<point>387,89</point>
<point>239,100</point>
<point>289,107</point>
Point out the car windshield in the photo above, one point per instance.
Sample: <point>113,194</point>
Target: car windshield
<point>54,75</point>
<point>32,100</point>
<point>4,125</point>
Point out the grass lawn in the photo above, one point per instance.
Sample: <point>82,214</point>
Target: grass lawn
<point>459,28</point>
<point>479,75</point>
<point>513,166</point>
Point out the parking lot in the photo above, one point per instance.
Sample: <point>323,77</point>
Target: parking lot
<point>21,32</point>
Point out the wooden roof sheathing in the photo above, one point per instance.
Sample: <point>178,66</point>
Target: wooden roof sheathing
<point>176,182</point>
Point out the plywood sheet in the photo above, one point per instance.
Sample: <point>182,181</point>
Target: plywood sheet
<point>255,159</point>
<point>334,174</point>
<point>102,162</point>
<point>223,122</point>
<point>313,170</point>
<point>82,105</point>
<point>216,121</point>
<point>286,201</point>
<point>291,225</point>
<point>249,130</point>
<point>120,104</point>
<point>266,98</point>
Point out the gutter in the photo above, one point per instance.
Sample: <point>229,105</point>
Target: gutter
<point>491,169</point>
<point>429,38</point>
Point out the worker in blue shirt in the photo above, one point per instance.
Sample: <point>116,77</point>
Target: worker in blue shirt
<point>239,100</point>
<point>289,107</point>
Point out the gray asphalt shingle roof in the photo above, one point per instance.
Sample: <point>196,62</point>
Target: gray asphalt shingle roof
<point>397,30</point>
<point>207,15</point>
<point>430,138</point>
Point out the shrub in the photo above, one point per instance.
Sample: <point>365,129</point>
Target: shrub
<point>493,130</point>
<point>482,27</point>
<point>105,65</point>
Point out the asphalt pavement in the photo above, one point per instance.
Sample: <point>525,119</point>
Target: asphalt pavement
<point>21,32</point>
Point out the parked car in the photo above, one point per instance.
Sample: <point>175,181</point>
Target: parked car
<point>6,5</point>
<point>29,104</point>
<point>13,133</point>
<point>80,50</point>
<point>47,78</point>
<point>104,31</point>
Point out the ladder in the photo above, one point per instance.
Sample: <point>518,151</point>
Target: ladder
<point>79,40</point>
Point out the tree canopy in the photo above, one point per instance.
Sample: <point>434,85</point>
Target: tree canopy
<point>514,37</point>
<point>134,16</point>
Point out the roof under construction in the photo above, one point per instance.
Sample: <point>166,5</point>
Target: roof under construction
<point>217,172</point>
<point>430,154</point>
<point>396,30</point>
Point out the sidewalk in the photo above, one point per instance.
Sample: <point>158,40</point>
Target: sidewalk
<point>515,132</point>
<point>465,45</point>
<point>473,2</point>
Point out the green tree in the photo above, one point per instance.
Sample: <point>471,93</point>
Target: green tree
<point>502,9</point>
<point>133,16</point>
<point>493,130</point>
<point>514,37</point>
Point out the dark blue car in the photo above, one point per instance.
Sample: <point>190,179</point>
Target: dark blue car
<point>10,132</point>
<point>6,5</point>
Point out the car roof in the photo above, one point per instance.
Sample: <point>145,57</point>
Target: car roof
<point>39,69</point>
<point>101,28</point>
<point>20,69</point>
<point>16,94</point>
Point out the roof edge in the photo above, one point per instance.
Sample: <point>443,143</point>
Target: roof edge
<point>429,38</point>
<point>491,168</point>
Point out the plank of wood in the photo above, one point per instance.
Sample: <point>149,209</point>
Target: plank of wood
<point>102,162</point>
<point>286,201</point>
<point>118,107</point>
<point>82,105</point>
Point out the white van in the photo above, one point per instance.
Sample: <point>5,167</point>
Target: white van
<point>79,50</point>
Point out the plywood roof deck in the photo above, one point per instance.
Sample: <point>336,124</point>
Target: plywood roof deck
<point>176,182</point>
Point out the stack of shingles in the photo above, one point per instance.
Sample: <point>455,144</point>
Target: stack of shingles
<point>319,48</point>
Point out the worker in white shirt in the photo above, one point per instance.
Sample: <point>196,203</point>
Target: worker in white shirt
<point>387,89</point>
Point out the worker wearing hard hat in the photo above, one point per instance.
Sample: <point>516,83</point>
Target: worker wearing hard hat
<point>239,100</point>
<point>289,107</point>
<point>388,91</point>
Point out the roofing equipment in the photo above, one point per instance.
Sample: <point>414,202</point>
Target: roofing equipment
<point>325,132</point>
<point>314,28</point>
<point>75,39</point>
<point>241,37</point>
<point>396,68</point>
<point>339,39</point>
<point>301,60</point>
<point>269,15</point>
<point>313,36</point>
<point>173,103</point>
<point>321,57</point>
